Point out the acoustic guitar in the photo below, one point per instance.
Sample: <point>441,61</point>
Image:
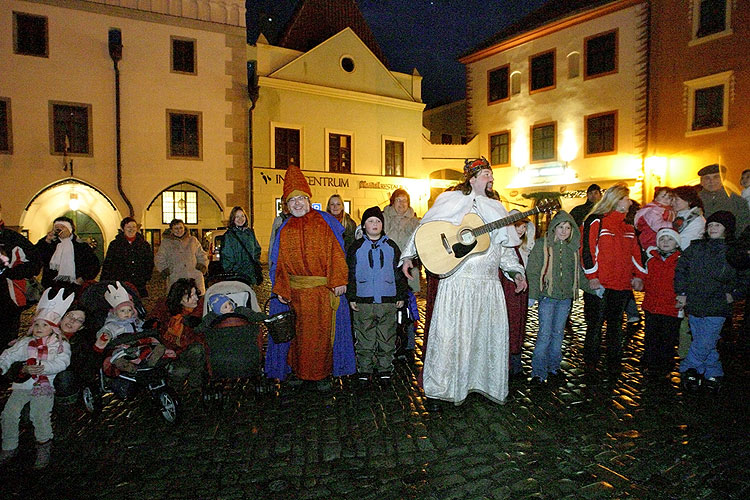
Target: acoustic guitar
<point>442,247</point>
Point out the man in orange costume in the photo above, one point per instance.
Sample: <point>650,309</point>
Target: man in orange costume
<point>309,270</point>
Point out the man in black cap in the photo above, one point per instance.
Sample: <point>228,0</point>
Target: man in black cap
<point>593,194</point>
<point>716,197</point>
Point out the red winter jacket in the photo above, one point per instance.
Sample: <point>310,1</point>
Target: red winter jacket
<point>610,251</point>
<point>658,286</point>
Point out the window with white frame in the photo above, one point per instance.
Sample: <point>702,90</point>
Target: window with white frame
<point>708,103</point>
<point>711,19</point>
<point>179,205</point>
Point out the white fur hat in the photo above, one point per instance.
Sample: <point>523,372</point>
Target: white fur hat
<point>117,296</point>
<point>668,231</point>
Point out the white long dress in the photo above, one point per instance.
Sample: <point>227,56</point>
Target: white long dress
<point>467,349</point>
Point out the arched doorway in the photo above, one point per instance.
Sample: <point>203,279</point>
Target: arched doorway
<point>440,180</point>
<point>89,231</point>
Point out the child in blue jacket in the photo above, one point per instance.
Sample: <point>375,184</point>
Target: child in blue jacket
<point>375,291</point>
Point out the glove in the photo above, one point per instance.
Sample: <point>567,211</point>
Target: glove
<point>202,268</point>
<point>15,373</point>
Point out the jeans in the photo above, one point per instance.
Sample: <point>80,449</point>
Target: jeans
<point>553,314</point>
<point>703,356</point>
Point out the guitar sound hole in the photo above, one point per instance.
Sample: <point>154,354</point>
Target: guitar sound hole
<point>466,237</point>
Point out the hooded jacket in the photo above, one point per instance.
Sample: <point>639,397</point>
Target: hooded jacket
<point>553,269</point>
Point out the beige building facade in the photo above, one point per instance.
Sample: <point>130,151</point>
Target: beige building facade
<point>563,104</point>
<point>183,121</point>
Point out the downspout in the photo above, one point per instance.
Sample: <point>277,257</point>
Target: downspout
<point>252,90</point>
<point>115,52</point>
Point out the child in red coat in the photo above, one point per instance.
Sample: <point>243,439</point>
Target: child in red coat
<point>663,317</point>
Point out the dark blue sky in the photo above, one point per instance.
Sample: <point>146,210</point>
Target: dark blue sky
<point>425,34</point>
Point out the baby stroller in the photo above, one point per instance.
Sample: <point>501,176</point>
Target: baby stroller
<point>124,385</point>
<point>234,339</point>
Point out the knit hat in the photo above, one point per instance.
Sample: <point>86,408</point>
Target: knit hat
<point>373,212</point>
<point>668,231</point>
<point>117,296</point>
<point>217,301</point>
<point>295,183</point>
<point>726,219</point>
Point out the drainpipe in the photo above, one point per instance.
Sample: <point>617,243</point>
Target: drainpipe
<point>115,52</point>
<point>252,90</point>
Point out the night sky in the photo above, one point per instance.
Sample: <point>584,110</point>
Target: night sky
<point>425,34</point>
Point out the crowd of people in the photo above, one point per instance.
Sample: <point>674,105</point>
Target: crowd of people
<point>352,288</point>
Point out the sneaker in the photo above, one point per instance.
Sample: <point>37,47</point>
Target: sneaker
<point>691,380</point>
<point>8,455</point>
<point>43,452</point>
<point>712,384</point>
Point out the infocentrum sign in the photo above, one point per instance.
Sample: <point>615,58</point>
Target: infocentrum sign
<point>324,180</point>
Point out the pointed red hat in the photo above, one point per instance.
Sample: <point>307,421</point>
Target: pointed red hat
<point>295,183</point>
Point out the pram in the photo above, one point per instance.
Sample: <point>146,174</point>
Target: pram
<point>123,385</point>
<point>235,339</point>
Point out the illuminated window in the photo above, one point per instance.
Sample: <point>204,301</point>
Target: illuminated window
<point>179,205</point>
<point>543,141</point>
<point>500,148</point>
<point>601,133</point>
<point>542,71</point>
<point>183,55</point>
<point>286,147</point>
<point>340,153</point>
<point>70,128</point>
<point>600,54</point>
<point>711,17</point>
<point>184,134</point>
<point>497,84</point>
<point>708,103</point>
<point>394,158</point>
<point>6,135</point>
<point>30,35</point>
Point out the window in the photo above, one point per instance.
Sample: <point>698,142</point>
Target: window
<point>574,65</point>
<point>543,142</point>
<point>287,147</point>
<point>708,103</point>
<point>179,205</point>
<point>600,54</point>
<point>500,148</point>
<point>183,55</point>
<point>70,128</point>
<point>497,84</point>
<point>542,71</point>
<point>515,83</point>
<point>340,153</point>
<point>601,133</point>
<point>711,17</point>
<point>30,35</point>
<point>184,134</point>
<point>6,135</point>
<point>446,139</point>
<point>394,158</point>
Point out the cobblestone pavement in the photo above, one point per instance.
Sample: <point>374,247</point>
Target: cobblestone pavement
<point>625,436</point>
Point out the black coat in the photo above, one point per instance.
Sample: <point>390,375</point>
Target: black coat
<point>87,263</point>
<point>131,262</point>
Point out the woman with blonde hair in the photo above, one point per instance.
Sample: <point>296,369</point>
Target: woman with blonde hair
<point>335,207</point>
<point>611,259</point>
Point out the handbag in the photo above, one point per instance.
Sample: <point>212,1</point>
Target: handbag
<point>257,269</point>
<point>281,325</point>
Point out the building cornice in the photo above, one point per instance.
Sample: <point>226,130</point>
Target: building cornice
<point>549,29</point>
<point>206,15</point>
<point>350,95</point>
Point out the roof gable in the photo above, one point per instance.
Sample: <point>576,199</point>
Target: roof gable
<point>323,66</point>
<point>315,21</point>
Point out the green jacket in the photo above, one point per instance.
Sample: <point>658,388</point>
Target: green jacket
<point>558,260</point>
<point>234,258</point>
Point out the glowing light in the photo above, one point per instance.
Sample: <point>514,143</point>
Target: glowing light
<point>74,203</point>
<point>568,146</point>
<point>656,167</point>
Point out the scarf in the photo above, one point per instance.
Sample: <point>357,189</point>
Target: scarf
<point>129,239</point>
<point>175,327</point>
<point>63,260</point>
<point>37,351</point>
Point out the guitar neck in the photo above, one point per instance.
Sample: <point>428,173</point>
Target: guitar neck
<point>503,222</point>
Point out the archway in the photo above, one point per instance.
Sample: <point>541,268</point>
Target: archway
<point>440,180</point>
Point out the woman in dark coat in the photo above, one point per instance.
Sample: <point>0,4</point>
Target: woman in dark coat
<point>129,257</point>
<point>240,252</point>
<point>65,257</point>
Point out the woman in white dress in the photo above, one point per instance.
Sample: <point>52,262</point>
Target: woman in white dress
<point>468,337</point>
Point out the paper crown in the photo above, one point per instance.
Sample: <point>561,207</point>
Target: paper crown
<point>53,309</point>
<point>116,295</point>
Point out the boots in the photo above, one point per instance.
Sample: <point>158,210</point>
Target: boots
<point>43,452</point>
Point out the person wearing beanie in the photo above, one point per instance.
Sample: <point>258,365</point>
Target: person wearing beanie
<point>31,365</point>
<point>706,286</point>
<point>221,304</point>
<point>308,270</point>
<point>593,195</point>
<point>716,196</point>
<point>129,257</point>
<point>663,317</point>
<point>376,290</point>
<point>468,334</point>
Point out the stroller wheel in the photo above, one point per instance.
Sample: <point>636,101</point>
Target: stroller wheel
<point>92,399</point>
<point>167,400</point>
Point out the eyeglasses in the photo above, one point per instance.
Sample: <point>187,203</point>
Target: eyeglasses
<point>297,199</point>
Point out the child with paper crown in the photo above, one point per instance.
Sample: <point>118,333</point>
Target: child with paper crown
<point>130,351</point>
<point>31,364</point>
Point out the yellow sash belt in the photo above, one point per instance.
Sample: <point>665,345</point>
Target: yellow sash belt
<point>302,282</point>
